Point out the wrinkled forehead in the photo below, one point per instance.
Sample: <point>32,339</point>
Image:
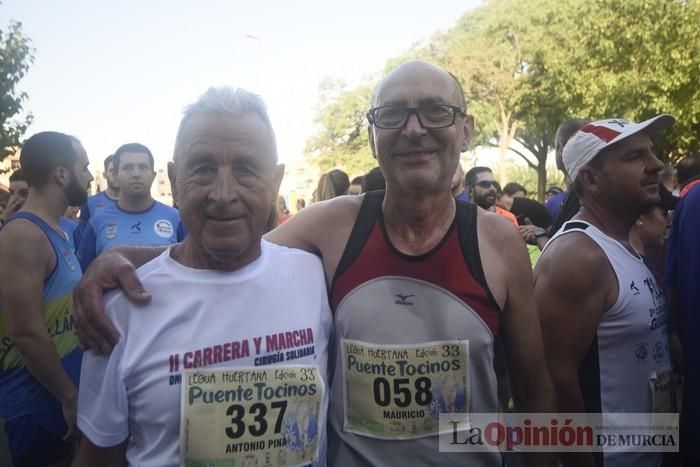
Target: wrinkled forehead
<point>413,86</point>
<point>245,132</point>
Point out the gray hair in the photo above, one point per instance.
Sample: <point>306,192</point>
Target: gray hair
<point>227,100</point>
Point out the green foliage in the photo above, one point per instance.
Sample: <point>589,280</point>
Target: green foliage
<point>526,65</point>
<point>341,139</point>
<point>15,58</point>
<point>633,59</point>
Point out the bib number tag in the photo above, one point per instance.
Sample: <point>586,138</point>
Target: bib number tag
<point>667,392</point>
<point>251,416</point>
<point>399,391</point>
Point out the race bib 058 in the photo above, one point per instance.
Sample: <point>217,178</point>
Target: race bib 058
<point>399,391</point>
<point>251,416</point>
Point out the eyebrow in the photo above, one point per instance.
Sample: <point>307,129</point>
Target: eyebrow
<point>199,155</point>
<point>421,102</point>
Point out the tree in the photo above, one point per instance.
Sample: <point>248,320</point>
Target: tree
<point>634,60</point>
<point>341,136</point>
<point>488,65</point>
<point>526,65</point>
<point>15,57</point>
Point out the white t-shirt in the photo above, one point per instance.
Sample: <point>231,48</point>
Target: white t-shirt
<point>272,312</point>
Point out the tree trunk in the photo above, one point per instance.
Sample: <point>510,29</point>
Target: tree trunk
<point>505,137</point>
<point>541,179</point>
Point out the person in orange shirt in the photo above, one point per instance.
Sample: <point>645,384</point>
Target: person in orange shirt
<point>483,190</point>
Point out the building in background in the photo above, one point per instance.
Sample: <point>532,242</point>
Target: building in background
<point>300,180</point>
<point>7,166</point>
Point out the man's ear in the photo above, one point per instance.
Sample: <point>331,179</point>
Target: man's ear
<point>62,176</point>
<point>370,135</point>
<point>173,182</point>
<point>468,129</point>
<point>588,178</point>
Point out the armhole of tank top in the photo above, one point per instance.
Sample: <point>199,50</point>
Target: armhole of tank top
<point>39,222</point>
<point>469,242</point>
<point>366,218</point>
<point>580,226</point>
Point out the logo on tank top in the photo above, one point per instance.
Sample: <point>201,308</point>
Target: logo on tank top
<point>110,230</point>
<point>163,228</point>
<point>403,299</point>
<point>136,228</point>
<point>634,288</point>
<point>67,257</point>
<point>641,352</point>
<point>658,353</point>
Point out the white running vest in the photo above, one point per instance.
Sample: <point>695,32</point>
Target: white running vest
<point>630,347</point>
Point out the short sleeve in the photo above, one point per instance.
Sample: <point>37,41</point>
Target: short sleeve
<point>103,414</point>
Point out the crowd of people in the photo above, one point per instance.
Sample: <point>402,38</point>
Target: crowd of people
<point>336,335</point>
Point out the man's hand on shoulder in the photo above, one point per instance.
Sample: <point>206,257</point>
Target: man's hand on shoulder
<point>109,271</point>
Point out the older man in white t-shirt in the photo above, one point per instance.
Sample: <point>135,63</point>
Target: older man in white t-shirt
<point>217,365</point>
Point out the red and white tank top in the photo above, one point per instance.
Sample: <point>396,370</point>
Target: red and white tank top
<point>414,337</point>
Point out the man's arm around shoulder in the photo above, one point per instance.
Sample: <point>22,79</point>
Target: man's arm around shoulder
<point>312,226</point>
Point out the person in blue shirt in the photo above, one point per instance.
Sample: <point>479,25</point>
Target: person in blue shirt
<point>39,353</point>
<point>564,132</point>
<point>97,202</point>
<point>136,218</point>
<point>682,273</point>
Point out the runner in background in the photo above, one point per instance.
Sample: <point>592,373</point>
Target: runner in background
<point>39,354</point>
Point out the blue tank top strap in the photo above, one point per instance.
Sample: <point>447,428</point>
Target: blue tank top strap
<point>50,233</point>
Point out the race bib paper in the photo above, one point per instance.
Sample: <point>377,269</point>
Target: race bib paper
<point>251,416</point>
<point>399,391</point>
<point>666,391</point>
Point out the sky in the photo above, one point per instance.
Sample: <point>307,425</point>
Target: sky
<point>117,72</point>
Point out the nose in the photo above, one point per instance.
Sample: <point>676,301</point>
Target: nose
<point>224,187</point>
<point>654,165</point>
<point>413,127</point>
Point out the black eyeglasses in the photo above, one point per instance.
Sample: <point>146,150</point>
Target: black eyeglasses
<point>392,117</point>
